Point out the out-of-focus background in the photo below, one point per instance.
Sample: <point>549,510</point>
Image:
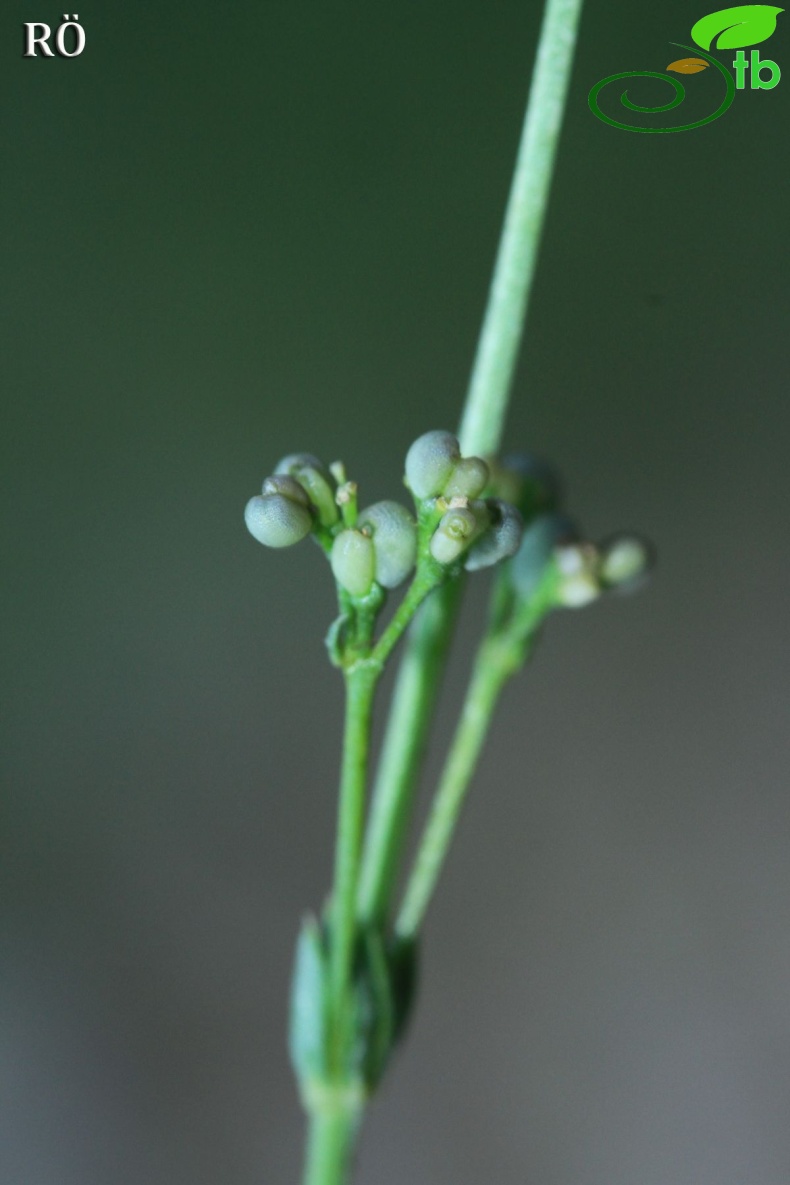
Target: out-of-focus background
<point>234,233</point>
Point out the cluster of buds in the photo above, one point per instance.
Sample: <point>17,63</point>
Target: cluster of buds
<point>584,570</point>
<point>380,546</point>
<point>482,530</point>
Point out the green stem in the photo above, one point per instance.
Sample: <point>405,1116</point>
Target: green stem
<point>416,690</point>
<point>490,674</point>
<point>360,688</point>
<point>330,1146</point>
<point>503,325</point>
<point>501,654</point>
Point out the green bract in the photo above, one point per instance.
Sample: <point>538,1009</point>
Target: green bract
<point>354,562</point>
<point>277,520</point>
<point>500,540</point>
<point>394,535</point>
<point>430,462</point>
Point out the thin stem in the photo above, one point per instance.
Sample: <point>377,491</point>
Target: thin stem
<point>404,743</point>
<point>330,1145</point>
<point>488,678</point>
<point>500,655</point>
<point>500,338</point>
<point>481,430</point>
<point>360,688</point>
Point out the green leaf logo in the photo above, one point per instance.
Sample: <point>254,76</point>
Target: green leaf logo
<point>748,24</point>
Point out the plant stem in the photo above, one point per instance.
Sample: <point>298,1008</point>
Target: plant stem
<point>416,689</point>
<point>360,688</point>
<point>488,678</point>
<point>404,743</point>
<point>501,654</point>
<point>330,1145</point>
<point>497,352</point>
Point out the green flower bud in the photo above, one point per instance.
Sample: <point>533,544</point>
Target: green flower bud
<point>626,561</point>
<point>578,566</point>
<point>430,462</point>
<point>468,479</point>
<point>289,487</point>
<point>394,534</point>
<point>455,532</point>
<point>536,548</point>
<point>502,538</point>
<point>354,562</point>
<point>277,520</point>
<point>316,480</point>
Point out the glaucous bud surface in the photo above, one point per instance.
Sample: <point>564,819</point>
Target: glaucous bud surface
<point>535,550</point>
<point>453,535</point>
<point>276,520</point>
<point>468,479</point>
<point>500,541</point>
<point>354,562</point>
<point>289,487</point>
<point>394,535</point>
<point>430,462</point>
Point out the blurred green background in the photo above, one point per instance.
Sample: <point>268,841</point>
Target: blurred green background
<point>232,233</point>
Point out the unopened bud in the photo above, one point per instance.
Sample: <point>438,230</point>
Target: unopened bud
<point>502,538</point>
<point>394,535</point>
<point>468,479</point>
<point>316,480</point>
<point>277,520</point>
<point>354,562</point>
<point>453,535</point>
<point>430,462</point>
<point>577,564</point>
<point>626,561</point>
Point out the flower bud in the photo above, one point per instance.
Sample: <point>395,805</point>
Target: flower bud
<point>500,540</point>
<point>277,520</point>
<point>289,487</point>
<point>453,535</point>
<point>578,567</point>
<point>430,462</point>
<point>316,480</point>
<point>468,479</point>
<point>536,548</point>
<point>354,562</point>
<point>626,561</point>
<point>394,534</point>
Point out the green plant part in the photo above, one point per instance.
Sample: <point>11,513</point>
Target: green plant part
<point>316,480</point>
<point>354,562</point>
<point>278,519</point>
<point>500,541</point>
<point>394,535</point>
<point>455,532</point>
<point>626,561</point>
<point>430,463</point>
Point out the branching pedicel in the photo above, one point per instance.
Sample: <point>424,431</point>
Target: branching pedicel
<point>355,966</point>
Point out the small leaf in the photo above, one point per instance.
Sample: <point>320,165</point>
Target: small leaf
<point>308,1022</point>
<point>688,65</point>
<point>747,24</point>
